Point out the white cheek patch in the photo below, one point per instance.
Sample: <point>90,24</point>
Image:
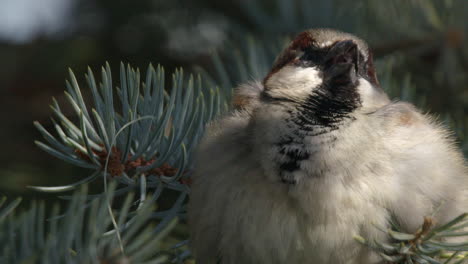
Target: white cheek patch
<point>370,97</point>
<point>365,89</point>
<point>294,82</point>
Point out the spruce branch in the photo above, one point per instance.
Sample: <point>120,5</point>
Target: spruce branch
<point>138,135</point>
<point>83,235</point>
<point>6,209</point>
<point>157,130</point>
<point>430,244</point>
<point>147,131</point>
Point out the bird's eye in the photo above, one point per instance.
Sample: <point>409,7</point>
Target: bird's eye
<point>314,56</point>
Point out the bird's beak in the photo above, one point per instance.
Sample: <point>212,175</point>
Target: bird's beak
<point>342,60</point>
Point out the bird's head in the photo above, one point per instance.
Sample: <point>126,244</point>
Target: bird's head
<point>326,71</point>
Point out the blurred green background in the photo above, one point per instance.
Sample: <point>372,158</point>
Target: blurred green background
<point>420,44</point>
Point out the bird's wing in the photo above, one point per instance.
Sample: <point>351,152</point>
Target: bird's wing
<point>247,95</point>
<point>216,161</point>
<point>428,169</point>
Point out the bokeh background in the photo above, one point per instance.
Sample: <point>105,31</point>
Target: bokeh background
<point>420,45</point>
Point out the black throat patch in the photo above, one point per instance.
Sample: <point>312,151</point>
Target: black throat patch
<point>327,109</point>
<point>328,106</point>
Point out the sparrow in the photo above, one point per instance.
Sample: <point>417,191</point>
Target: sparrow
<point>315,154</point>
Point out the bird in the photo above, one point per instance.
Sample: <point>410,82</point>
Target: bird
<point>315,154</point>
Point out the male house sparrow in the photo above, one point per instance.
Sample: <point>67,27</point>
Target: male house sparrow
<point>314,155</point>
